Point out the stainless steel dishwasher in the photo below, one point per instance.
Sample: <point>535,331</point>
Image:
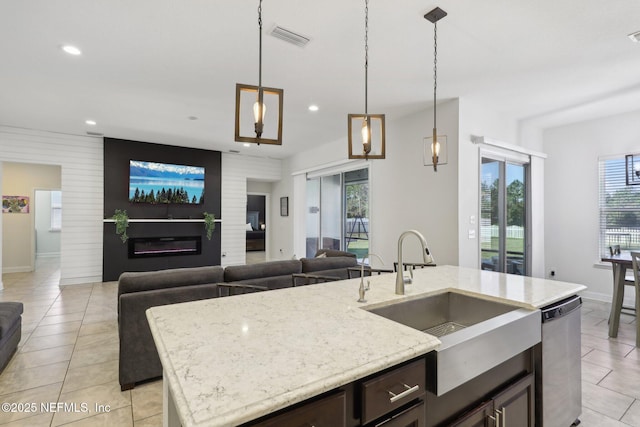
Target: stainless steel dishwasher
<point>558,365</point>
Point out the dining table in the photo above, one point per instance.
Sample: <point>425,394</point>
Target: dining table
<point>620,262</point>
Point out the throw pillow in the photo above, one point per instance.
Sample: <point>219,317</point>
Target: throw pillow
<point>249,227</point>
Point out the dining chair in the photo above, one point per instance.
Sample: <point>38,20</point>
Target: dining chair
<point>635,262</point>
<point>628,280</point>
<point>301,279</point>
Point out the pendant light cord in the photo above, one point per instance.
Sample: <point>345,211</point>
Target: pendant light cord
<point>435,69</point>
<point>366,55</point>
<point>260,45</point>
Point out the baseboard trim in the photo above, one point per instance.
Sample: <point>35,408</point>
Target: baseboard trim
<point>21,269</point>
<point>598,296</point>
<point>48,255</point>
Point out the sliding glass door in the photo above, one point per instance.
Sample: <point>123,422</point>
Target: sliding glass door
<point>503,219</point>
<point>337,212</point>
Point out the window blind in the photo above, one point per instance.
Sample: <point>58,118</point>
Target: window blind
<point>619,207</point>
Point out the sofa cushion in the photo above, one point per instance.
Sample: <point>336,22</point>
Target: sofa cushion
<point>151,280</point>
<point>272,282</point>
<point>261,270</point>
<point>334,253</point>
<point>312,265</point>
<point>9,314</point>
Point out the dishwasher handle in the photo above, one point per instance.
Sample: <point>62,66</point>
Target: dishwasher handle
<point>561,308</point>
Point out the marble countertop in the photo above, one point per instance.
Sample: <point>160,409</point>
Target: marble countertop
<point>230,360</point>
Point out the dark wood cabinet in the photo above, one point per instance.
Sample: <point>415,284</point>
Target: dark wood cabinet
<point>326,412</point>
<point>413,416</point>
<point>516,404</point>
<point>389,391</point>
<point>396,397</point>
<point>513,407</point>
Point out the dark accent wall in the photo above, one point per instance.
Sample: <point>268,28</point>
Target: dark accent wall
<point>117,154</point>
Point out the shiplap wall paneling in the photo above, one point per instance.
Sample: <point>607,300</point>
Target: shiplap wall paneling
<point>236,170</point>
<point>81,161</point>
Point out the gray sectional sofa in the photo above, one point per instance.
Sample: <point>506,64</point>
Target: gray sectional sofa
<point>139,291</point>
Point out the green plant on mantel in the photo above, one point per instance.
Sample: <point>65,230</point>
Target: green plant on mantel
<point>209,224</point>
<point>122,222</point>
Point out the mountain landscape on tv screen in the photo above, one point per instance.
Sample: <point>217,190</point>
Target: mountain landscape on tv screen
<point>151,182</point>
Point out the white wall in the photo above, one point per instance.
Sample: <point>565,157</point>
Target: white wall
<point>81,161</point>
<point>236,172</point>
<point>405,194</point>
<point>571,197</point>
<point>475,119</point>
<point>18,237</point>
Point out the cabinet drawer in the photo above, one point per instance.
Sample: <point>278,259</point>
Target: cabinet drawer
<point>391,390</point>
<point>327,412</point>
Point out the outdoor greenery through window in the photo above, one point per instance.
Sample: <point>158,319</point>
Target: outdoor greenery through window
<point>619,207</point>
<point>503,216</point>
<point>338,212</point>
<point>357,212</point>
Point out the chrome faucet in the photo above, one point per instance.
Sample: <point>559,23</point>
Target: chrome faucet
<point>363,289</point>
<point>400,279</point>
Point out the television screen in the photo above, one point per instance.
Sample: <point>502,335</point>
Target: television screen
<point>151,182</point>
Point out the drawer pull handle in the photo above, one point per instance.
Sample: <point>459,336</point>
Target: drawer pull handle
<point>394,397</point>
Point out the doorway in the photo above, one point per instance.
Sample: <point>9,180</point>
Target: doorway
<point>256,228</point>
<point>503,218</point>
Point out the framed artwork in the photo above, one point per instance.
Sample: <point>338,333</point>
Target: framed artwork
<point>15,204</point>
<point>284,206</point>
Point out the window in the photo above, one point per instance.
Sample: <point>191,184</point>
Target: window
<point>619,207</point>
<point>338,212</point>
<point>56,211</point>
<point>503,219</point>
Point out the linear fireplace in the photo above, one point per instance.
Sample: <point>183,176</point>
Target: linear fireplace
<point>143,247</point>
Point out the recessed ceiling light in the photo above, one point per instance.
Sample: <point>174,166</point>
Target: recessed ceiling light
<point>91,122</point>
<point>71,50</point>
<point>246,144</point>
<point>635,36</point>
<point>313,107</point>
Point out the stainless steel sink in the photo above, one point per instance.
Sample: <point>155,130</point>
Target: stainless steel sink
<point>476,334</point>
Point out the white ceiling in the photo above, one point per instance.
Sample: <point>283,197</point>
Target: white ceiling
<point>147,65</point>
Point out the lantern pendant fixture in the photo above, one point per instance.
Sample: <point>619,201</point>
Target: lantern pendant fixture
<point>371,126</point>
<point>246,94</point>
<point>437,143</point>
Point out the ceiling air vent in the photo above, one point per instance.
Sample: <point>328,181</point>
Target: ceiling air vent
<point>234,151</point>
<point>95,133</point>
<point>635,36</point>
<point>289,36</point>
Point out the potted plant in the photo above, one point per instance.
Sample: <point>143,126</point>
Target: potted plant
<point>121,220</point>
<point>209,224</point>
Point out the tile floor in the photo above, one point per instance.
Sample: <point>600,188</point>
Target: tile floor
<point>255,257</point>
<point>69,354</point>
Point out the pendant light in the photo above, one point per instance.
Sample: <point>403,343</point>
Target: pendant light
<point>366,129</point>
<point>252,101</point>
<point>437,143</point>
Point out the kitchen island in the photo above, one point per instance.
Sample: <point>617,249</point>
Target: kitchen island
<point>231,360</point>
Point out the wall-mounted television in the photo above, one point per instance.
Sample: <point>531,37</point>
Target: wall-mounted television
<point>151,182</point>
